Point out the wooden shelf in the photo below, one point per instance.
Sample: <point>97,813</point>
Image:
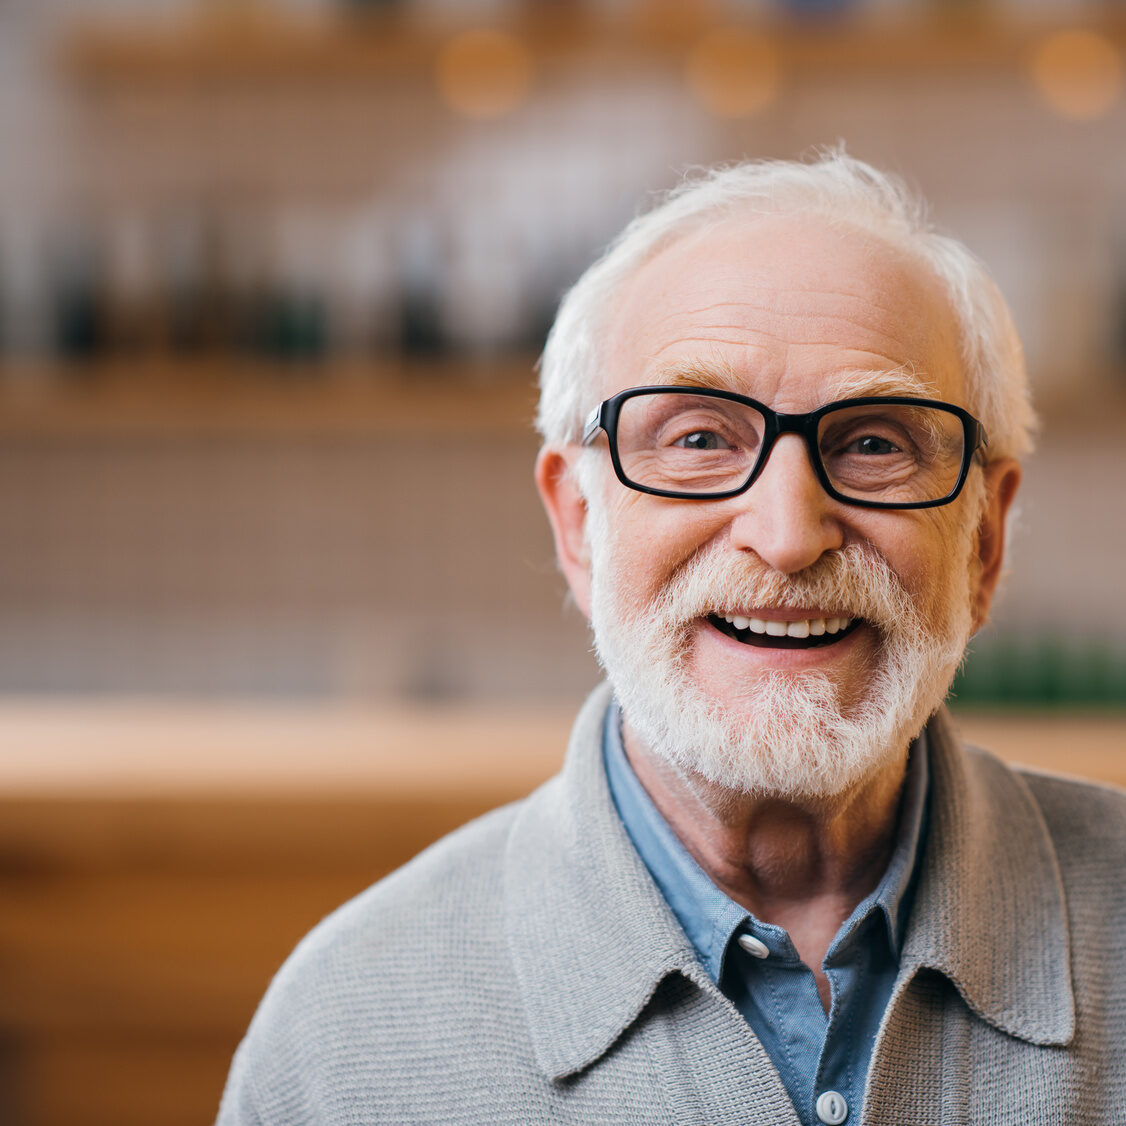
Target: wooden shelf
<point>258,44</point>
<point>256,397</point>
<point>121,749</point>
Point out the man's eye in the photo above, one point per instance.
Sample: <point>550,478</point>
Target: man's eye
<point>702,440</point>
<point>871,444</point>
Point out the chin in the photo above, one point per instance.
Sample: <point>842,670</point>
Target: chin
<point>791,738</point>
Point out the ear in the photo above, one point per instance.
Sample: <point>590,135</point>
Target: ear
<point>566,510</point>
<point>1002,477</point>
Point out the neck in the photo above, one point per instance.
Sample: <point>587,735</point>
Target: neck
<point>800,863</point>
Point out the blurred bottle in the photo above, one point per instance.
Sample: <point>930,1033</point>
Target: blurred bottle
<point>242,255</point>
<point>296,313</point>
<point>812,9</point>
<point>368,7</point>
<point>77,290</point>
<point>422,278</point>
<point>132,285</point>
<point>460,11</point>
<point>187,273</point>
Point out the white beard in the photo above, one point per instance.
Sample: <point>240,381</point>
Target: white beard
<point>790,735</point>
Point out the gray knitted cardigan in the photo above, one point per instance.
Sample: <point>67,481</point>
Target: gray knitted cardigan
<point>526,970</point>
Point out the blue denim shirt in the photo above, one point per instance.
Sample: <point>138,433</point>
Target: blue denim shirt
<point>820,1056</point>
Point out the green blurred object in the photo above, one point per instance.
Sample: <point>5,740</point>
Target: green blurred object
<point>295,326</point>
<point>365,6</point>
<point>1045,671</point>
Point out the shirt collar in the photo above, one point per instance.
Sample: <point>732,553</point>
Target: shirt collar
<point>893,895</point>
<point>708,916</point>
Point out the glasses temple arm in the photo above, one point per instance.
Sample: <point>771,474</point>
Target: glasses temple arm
<point>981,443</point>
<point>591,426</point>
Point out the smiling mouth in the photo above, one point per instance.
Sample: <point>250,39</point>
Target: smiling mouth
<point>808,633</point>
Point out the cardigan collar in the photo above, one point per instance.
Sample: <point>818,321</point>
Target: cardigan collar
<point>990,911</point>
<point>591,937</point>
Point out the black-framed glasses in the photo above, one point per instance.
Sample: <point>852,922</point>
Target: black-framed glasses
<point>877,451</point>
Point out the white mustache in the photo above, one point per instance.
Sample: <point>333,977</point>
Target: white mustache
<point>855,581</point>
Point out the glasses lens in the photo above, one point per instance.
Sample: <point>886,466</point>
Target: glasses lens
<point>892,453</point>
<point>685,443</point>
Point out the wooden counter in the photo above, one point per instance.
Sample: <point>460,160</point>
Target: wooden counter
<point>158,861</point>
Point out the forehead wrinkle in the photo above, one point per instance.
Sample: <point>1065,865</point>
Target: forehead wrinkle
<point>774,296</point>
<point>792,304</point>
<point>883,342</point>
<point>714,340</point>
<point>785,307</point>
<point>882,357</point>
<point>719,373</point>
<point>820,331</point>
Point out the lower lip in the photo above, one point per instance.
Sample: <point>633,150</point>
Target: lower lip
<point>778,656</point>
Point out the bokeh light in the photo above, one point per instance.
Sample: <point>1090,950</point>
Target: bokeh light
<point>484,73</point>
<point>1078,73</point>
<point>733,72</point>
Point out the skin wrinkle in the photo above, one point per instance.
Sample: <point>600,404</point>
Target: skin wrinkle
<point>874,309</point>
<point>839,287</point>
<point>824,323</point>
<point>708,340</point>
<point>849,314</point>
<point>781,339</point>
<point>775,305</point>
<point>774,867</point>
<point>719,375</point>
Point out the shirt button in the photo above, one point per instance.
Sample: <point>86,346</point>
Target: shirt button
<point>831,1108</point>
<point>754,947</point>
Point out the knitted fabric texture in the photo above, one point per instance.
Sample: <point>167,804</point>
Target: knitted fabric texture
<point>525,969</point>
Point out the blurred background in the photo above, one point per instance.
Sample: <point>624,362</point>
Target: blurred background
<point>277,601</point>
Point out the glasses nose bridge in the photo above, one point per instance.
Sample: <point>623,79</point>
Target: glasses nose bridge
<point>803,425</point>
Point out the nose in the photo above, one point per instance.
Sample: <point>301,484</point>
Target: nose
<point>786,517</point>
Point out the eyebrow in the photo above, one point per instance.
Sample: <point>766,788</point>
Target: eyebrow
<point>903,380</point>
<point>852,384</point>
<point>714,375</point>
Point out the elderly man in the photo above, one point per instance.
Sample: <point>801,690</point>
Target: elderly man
<point>781,424</point>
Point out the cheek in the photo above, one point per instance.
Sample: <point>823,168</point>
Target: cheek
<point>922,548</point>
<point>655,541</point>
<point>943,573</point>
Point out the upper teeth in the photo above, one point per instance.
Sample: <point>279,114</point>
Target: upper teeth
<point>808,627</point>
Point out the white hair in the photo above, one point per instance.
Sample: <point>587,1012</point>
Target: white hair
<point>840,189</point>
